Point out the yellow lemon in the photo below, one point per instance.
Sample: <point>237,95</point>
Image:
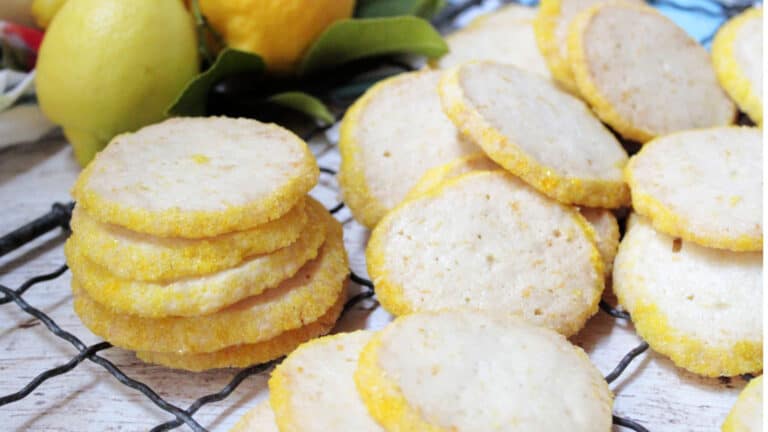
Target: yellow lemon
<point>112,66</point>
<point>45,10</point>
<point>280,31</point>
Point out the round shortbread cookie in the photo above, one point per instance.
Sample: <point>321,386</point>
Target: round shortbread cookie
<point>131,255</point>
<point>313,388</point>
<point>302,298</point>
<point>747,413</point>
<point>603,221</point>
<point>545,136</point>
<point>606,234</point>
<point>389,138</point>
<point>737,54</point>
<point>245,355</point>
<point>465,370</point>
<point>705,186</point>
<point>197,177</point>
<point>551,31</point>
<point>505,36</point>
<point>699,306</point>
<point>204,294</point>
<point>487,240</point>
<point>642,74</point>
<point>258,419</point>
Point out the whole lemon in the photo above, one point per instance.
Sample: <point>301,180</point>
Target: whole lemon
<point>45,10</point>
<point>112,66</point>
<point>280,31</point>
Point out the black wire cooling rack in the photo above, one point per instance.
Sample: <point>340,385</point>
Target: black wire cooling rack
<point>59,215</point>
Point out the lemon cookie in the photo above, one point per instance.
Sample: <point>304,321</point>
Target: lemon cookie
<point>642,74</point>
<point>313,388</point>
<point>487,240</point>
<point>505,36</point>
<point>551,31</point>
<point>705,186</point>
<point>747,413</point>
<point>737,54</point>
<point>132,255</point>
<point>699,306</point>
<point>465,370</point>
<point>258,419</point>
<point>203,294</point>
<point>548,138</point>
<point>197,177</point>
<point>245,355</point>
<point>304,297</point>
<point>389,138</point>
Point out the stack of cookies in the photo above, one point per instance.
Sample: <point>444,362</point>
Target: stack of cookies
<point>196,245</point>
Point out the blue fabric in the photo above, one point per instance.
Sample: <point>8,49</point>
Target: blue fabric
<point>700,25</point>
<point>700,18</point>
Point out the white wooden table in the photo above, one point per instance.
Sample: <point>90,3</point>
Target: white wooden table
<point>33,176</point>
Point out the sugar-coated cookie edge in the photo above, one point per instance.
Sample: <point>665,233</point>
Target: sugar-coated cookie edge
<point>279,387</point>
<point>157,300</point>
<point>568,190</point>
<point>181,334</point>
<point>667,221</point>
<point>365,207</point>
<point>196,258</point>
<point>391,295</point>
<point>729,72</point>
<point>239,356</point>
<point>685,351</point>
<point>733,422</point>
<point>544,28</point>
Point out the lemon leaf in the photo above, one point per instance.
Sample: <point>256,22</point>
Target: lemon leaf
<point>192,100</point>
<point>354,39</point>
<point>386,8</point>
<point>304,103</point>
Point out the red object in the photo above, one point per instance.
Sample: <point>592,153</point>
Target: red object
<point>23,41</point>
<point>31,37</point>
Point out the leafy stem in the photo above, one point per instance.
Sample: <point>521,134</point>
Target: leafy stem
<point>203,29</point>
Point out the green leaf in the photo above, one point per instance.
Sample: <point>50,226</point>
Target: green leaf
<point>354,39</point>
<point>192,100</point>
<point>304,103</point>
<point>386,8</point>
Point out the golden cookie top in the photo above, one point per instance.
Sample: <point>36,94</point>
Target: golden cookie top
<point>197,177</point>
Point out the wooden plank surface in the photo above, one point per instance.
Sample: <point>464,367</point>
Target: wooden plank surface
<point>33,176</point>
